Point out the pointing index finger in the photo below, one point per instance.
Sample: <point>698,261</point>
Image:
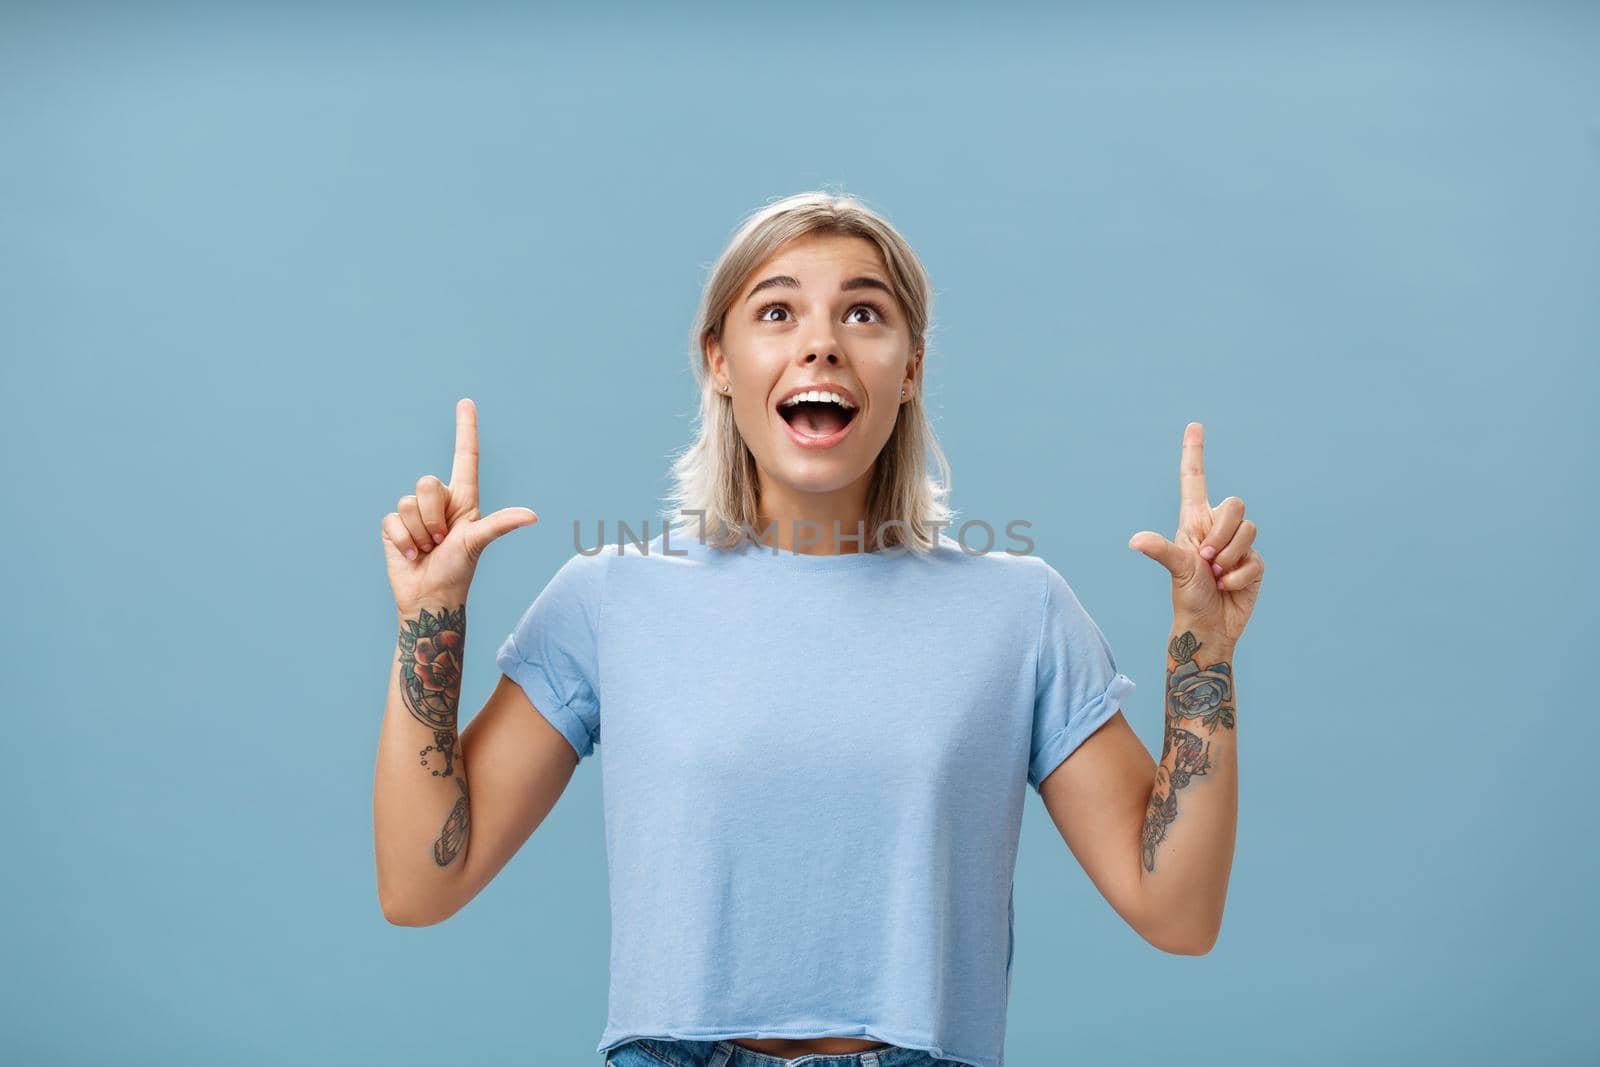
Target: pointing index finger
<point>464,471</point>
<point>1192,469</point>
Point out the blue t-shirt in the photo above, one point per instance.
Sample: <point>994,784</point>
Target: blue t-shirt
<point>814,777</point>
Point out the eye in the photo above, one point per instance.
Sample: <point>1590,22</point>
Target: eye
<point>866,304</point>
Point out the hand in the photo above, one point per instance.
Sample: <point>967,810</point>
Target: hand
<point>1215,572</point>
<point>433,540</point>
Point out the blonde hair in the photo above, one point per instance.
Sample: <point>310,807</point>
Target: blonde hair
<point>716,474</point>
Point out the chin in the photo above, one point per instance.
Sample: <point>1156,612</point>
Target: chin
<point>820,470</point>
<point>819,476</point>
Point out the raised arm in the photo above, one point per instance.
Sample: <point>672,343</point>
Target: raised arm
<point>440,833</point>
<point>422,806</point>
<point>1157,838</point>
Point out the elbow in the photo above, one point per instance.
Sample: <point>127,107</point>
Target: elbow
<point>1198,946</point>
<point>403,919</point>
<point>1178,931</point>
<point>397,914</point>
<point>403,905</point>
<point>1181,939</point>
<point>399,917</point>
<point>1192,941</point>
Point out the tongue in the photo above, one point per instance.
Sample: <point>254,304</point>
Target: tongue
<point>818,420</point>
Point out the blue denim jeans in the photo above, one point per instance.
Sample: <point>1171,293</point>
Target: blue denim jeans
<point>654,1052</point>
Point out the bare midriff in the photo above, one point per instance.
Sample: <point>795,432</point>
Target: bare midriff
<point>778,1046</point>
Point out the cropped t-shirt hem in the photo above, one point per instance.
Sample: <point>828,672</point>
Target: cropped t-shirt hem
<point>544,697</point>
<point>1083,723</point>
<point>791,1033</point>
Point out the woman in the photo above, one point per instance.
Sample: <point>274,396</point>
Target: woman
<point>820,711</point>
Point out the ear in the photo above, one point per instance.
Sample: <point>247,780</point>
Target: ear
<point>716,362</point>
<point>914,369</point>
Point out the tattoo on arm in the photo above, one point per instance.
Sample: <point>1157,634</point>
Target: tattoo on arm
<point>430,682</point>
<point>454,834</point>
<point>1193,692</point>
<point>430,676</point>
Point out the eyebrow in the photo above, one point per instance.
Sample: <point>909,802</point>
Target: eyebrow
<point>788,282</point>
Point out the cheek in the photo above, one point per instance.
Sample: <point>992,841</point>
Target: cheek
<point>886,392</point>
<point>758,364</point>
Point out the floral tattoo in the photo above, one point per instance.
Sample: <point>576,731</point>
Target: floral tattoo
<point>430,676</point>
<point>1193,692</point>
<point>430,685</point>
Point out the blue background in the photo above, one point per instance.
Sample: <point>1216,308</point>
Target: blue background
<point>252,257</point>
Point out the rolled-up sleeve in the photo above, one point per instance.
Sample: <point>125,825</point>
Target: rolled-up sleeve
<point>1077,684</point>
<point>553,651</point>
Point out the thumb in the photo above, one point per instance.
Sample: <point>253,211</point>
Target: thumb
<point>499,523</point>
<point>1164,552</point>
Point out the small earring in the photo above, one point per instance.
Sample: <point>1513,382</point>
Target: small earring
<point>902,394</point>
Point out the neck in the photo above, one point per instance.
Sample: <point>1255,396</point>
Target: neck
<point>821,524</point>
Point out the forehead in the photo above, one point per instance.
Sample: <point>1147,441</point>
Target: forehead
<point>824,253</point>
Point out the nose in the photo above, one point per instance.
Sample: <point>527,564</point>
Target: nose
<point>824,344</point>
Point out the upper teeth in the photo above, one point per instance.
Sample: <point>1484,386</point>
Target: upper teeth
<point>818,396</point>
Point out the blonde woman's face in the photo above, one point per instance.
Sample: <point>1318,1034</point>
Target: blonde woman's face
<point>820,310</point>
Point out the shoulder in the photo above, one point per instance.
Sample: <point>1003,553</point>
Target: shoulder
<point>1018,581</point>
<point>625,561</point>
<point>580,582</point>
<point>996,559</point>
<point>631,551</point>
<point>1037,585</point>
<point>585,566</point>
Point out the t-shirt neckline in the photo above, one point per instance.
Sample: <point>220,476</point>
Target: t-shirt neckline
<point>787,558</point>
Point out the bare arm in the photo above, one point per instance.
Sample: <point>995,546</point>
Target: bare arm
<point>421,805</point>
<point>1096,798</point>
<point>426,810</point>
<point>1157,838</point>
<point>1190,823</point>
<point>441,834</point>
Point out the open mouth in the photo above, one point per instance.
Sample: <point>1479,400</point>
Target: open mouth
<point>817,418</point>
